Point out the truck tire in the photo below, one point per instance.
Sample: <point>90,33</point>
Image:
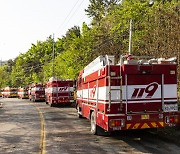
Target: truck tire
<point>46,100</point>
<point>78,110</point>
<point>34,99</point>
<point>95,129</point>
<point>93,124</point>
<point>51,104</point>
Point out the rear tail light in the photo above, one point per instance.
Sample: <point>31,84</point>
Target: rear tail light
<point>172,119</point>
<point>117,123</point>
<point>176,119</point>
<point>63,100</point>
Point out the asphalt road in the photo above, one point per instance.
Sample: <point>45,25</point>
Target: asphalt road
<point>19,127</point>
<point>27,127</point>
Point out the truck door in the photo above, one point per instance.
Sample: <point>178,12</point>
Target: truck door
<point>144,93</point>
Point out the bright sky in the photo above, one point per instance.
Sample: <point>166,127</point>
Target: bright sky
<point>23,22</point>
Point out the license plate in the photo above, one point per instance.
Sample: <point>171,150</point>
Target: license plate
<point>170,107</point>
<point>145,116</point>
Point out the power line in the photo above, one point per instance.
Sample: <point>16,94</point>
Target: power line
<point>61,25</point>
<point>70,17</point>
<point>81,19</point>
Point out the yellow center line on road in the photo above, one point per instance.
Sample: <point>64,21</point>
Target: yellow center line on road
<point>42,146</point>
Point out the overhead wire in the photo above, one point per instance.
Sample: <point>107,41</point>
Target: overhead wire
<point>28,68</point>
<point>70,15</point>
<point>81,20</point>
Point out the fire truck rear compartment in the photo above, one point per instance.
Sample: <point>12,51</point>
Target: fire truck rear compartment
<point>144,93</point>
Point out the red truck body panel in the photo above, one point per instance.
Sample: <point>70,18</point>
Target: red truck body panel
<point>59,91</point>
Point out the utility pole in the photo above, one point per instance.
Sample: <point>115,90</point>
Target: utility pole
<point>130,37</point>
<point>53,57</point>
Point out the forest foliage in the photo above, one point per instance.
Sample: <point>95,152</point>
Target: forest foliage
<point>155,33</point>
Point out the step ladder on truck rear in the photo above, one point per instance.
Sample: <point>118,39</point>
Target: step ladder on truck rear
<point>137,93</point>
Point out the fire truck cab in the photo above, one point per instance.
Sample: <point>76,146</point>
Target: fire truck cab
<point>59,91</point>
<point>137,93</point>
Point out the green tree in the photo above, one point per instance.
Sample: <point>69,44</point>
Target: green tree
<point>99,8</point>
<point>155,32</point>
<point>3,77</point>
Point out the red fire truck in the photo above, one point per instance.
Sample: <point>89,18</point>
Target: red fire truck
<point>59,91</point>
<point>23,92</point>
<point>9,92</point>
<point>36,92</point>
<point>137,93</point>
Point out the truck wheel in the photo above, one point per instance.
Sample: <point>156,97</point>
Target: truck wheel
<point>51,104</point>
<point>79,116</point>
<point>46,100</point>
<point>95,129</point>
<point>93,124</point>
<point>78,110</point>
